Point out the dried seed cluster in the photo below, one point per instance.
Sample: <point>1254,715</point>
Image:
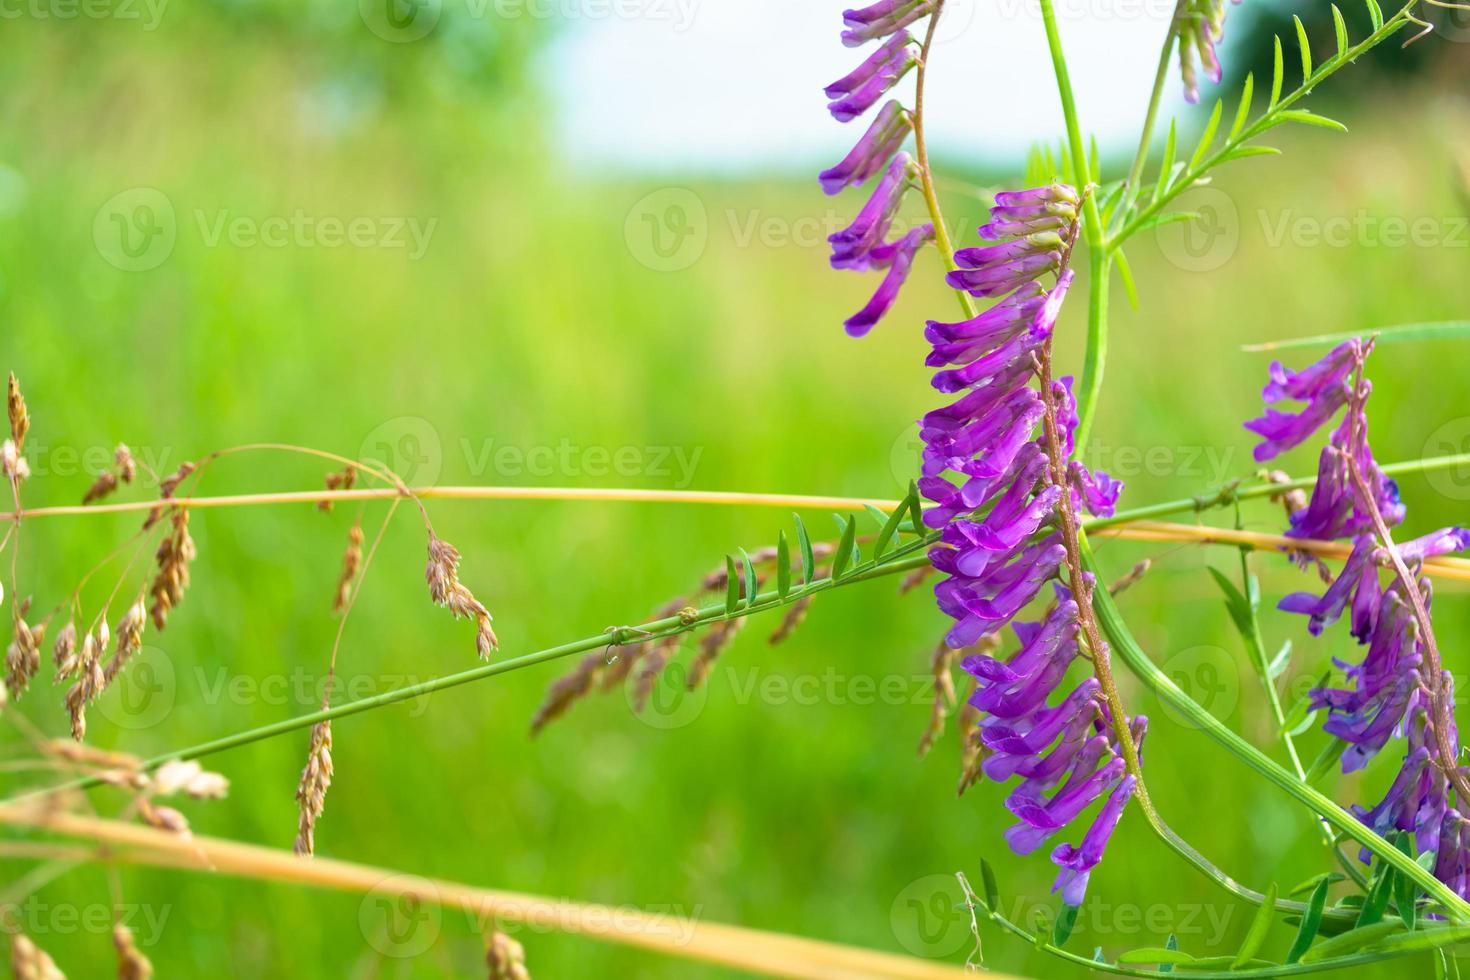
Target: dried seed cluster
<point>341,480</point>
<point>175,552</point>
<point>124,470</point>
<point>445,588</point>
<point>27,960</point>
<point>505,957</point>
<point>131,963</point>
<point>311,794</point>
<point>351,562</point>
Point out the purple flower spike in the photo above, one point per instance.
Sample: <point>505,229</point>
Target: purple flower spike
<point>882,19</point>
<point>858,245</point>
<point>997,277</point>
<point>898,256</point>
<point>1077,862</point>
<point>892,51</point>
<point>874,77</point>
<point>890,128</point>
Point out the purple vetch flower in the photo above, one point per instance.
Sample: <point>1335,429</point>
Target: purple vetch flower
<point>1202,27</point>
<point>881,19</point>
<point>860,90</point>
<point>1096,492</point>
<point>855,246</point>
<point>1391,692</point>
<point>1445,541</point>
<point>1077,862</point>
<point>897,256</point>
<point>1358,582</point>
<point>890,127</point>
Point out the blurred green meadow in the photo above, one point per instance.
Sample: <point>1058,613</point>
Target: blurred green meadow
<point>498,318</point>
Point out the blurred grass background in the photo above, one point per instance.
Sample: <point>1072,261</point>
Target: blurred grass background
<point>533,321</point>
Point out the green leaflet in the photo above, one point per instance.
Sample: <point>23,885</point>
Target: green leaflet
<point>1376,902</point>
<point>891,526</point>
<point>1405,892</point>
<point>783,566</point>
<point>1306,49</point>
<point>1352,941</point>
<point>1155,954</point>
<point>804,542</point>
<point>749,568</point>
<point>1066,922</point>
<point>845,548</point>
<point>1243,110</point>
<point>1444,330</point>
<point>1125,273</point>
<point>732,587</point>
<point>1255,937</point>
<point>1208,136</point>
<point>1311,920</point>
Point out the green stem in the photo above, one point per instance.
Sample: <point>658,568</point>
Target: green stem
<point>1321,805</point>
<point>1233,492</point>
<point>1145,140</point>
<point>1098,262</point>
<point>1271,117</point>
<point>905,558</point>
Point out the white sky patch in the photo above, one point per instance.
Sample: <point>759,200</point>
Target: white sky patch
<point>735,85</point>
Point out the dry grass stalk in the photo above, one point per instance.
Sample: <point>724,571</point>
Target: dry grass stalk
<point>311,794</point>
<point>972,750</point>
<point>131,963</point>
<point>342,479</point>
<point>27,960</point>
<point>175,552</point>
<point>505,957</point>
<point>20,418</point>
<point>651,664</point>
<point>940,665</point>
<point>568,689</point>
<point>715,641</point>
<point>164,818</point>
<point>914,579</point>
<point>129,639</point>
<point>445,588</point>
<point>90,681</point>
<point>351,562</point>
<point>1132,578</point>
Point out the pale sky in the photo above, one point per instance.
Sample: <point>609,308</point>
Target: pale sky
<point>733,85</point>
